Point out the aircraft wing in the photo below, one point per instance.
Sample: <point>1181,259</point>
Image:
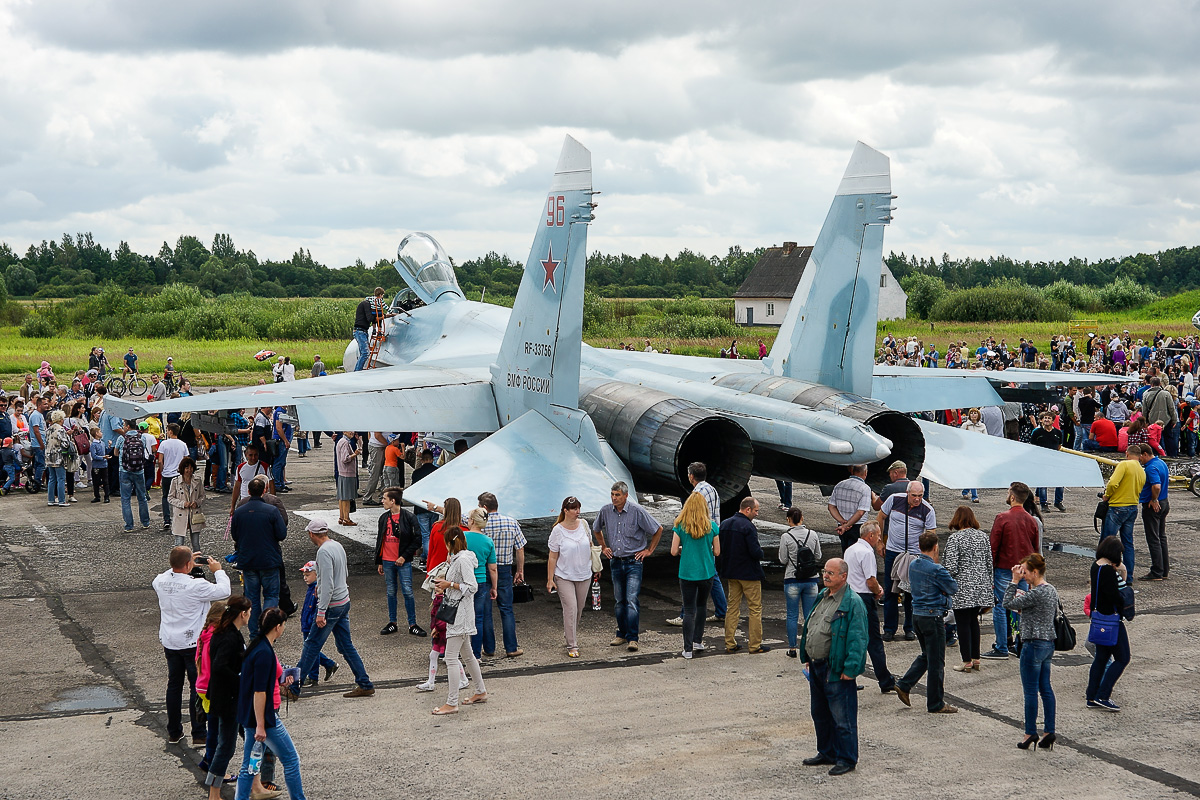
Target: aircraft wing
<point>531,466</point>
<point>920,389</point>
<point>418,398</point>
<point>959,459</point>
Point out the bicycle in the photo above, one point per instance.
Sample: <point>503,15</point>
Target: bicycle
<point>117,385</point>
<point>173,381</point>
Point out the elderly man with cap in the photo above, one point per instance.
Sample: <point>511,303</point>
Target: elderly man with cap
<point>333,611</point>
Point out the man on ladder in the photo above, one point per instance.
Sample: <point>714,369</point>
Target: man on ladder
<point>369,315</point>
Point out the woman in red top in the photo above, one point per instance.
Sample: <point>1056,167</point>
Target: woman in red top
<point>437,545</point>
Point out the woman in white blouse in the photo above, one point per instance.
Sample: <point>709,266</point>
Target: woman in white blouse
<point>570,568</point>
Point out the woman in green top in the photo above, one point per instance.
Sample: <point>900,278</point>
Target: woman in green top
<point>695,541</point>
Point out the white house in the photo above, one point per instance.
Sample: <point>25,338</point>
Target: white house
<point>763,297</point>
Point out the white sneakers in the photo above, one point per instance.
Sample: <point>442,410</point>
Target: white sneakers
<point>687,653</point>
<point>425,687</point>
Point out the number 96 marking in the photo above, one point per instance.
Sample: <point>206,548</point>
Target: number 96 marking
<point>556,211</point>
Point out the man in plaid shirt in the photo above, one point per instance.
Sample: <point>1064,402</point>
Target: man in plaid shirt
<point>505,533</point>
<point>851,499</point>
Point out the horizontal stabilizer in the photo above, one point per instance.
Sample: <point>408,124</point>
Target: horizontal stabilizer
<point>389,398</point>
<point>531,466</point>
<point>928,393</point>
<point>959,459</point>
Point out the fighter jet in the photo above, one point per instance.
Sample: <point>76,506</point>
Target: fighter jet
<point>563,418</point>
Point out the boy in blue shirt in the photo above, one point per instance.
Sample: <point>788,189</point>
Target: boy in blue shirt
<point>308,613</point>
<point>99,453</point>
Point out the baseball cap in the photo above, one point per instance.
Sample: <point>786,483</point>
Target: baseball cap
<point>145,426</point>
<point>317,526</point>
<point>8,441</point>
<point>311,566</point>
<point>897,465</point>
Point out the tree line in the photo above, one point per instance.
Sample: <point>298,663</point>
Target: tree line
<point>78,265</point>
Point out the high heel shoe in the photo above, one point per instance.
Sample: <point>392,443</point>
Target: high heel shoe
<point>1047,742</point>
<point>1027,742</point>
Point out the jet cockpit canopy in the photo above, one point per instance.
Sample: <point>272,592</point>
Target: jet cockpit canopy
<point>426,268</point>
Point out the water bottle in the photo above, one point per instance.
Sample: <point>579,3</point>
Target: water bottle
<point>256,755</point>
<point>595,593</point>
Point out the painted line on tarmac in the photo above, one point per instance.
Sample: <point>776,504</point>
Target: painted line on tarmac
<point>1161,776</point>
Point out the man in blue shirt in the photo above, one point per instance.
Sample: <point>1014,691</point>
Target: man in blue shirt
<point>37,439</point>
<point>131,361</point>
<point>1154,512</point>
<point>628,535</point>
<point>932,587</point>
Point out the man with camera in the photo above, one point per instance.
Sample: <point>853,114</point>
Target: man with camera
<point>183,602</point>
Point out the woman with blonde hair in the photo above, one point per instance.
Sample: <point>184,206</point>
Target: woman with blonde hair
<point>694,540</point>
<point>569,568</point>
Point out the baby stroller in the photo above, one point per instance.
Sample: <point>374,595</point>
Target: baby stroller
<point>23,462</point>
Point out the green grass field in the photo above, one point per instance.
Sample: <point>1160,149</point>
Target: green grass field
<point>219,363</point>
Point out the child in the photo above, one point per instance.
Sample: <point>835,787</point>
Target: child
<point>99,466</point>
<point>308,613</point>
<point>437,647</point>
<point>203,671</point>
<point>8,460</point>
<point>393,461</point>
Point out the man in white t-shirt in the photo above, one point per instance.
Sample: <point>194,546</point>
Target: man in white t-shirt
<point>862,573</point>
<point>247,471</point>
<point>170,452</point>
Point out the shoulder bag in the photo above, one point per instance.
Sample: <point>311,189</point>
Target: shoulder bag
<point>1064,634</point>
<point>597,563</point>
<point>447,612</point>
<point>1104,627</point>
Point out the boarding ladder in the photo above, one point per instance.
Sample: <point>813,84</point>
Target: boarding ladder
<point>378,337</point>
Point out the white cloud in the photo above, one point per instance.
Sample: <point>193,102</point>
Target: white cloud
<point>1036,131</point>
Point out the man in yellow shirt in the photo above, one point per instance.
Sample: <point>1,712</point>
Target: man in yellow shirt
<point>1122,492</point>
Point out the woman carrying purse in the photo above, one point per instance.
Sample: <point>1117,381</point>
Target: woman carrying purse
<point>458,610</point>
<point>1107,572</point>
<point>185,496</point>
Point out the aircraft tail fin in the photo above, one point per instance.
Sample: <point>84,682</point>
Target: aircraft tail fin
<point>538,363</point>
<point>828,335</point>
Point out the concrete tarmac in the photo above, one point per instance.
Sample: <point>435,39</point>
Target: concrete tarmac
<point>82,711</point>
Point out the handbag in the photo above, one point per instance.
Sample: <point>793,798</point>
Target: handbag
<point>597,563</point>
<point>1104,627</point>
<point>447,611</point>
<point>1064,634</point>
<point>1100,513</point>
<point>198,519</point>
<point>522,593</point>
<point>1127,598</point>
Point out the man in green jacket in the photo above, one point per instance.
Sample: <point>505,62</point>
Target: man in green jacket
<point>834,652</point>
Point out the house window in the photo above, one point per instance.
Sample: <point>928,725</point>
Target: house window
<point>883,281</point>
<point>770,309</point>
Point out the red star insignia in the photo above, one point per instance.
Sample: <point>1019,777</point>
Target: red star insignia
<point>549,264</point>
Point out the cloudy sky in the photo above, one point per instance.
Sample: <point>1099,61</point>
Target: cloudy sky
<point>1039,130</point>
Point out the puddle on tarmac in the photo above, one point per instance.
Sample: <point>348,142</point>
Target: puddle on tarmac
<point>87,698</point>
<point>1071,549</point>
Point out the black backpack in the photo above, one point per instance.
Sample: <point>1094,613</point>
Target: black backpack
<point>133,453</point>
<point>807,566</point>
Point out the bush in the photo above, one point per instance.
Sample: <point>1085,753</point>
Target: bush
<point>596,311</point>
<point>1006,301</point>
<point>924,292</point>
<point>1124,294</point>
<point>313,320</point>
<point>677,327</point>
<point>1081,298</point>
<point>176,296</point>
<point>38,327</point>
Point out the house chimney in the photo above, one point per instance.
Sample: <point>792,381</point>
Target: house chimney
<point>788,247</point>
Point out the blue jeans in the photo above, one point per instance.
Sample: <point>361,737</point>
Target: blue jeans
<point>1001,578</point>
<point>337,622</point>
<point>973,492</point>
<point>1119,521</point>
<point>834,706</point>
<point>1103,675</point>
<point>222,741</point>
<point>785,492</point>
<point>425,523</point>
<point>301,444</point>
<point>38,456</point>
<point>265,581</point>
<point>891,605</point>
<point>797,594</point>
<point>627,585</point>
<point>222,468</point>
<point>1081,434</point>
<point>134,482</point>
<point>278,466</point>
<point>695,594</point>
<point>1041,495</point>
<point>364,348</point>
<point>401,574</point>
<point>508,621</point>
<point>281,745</point>
<point>56,484</point>
<point>931,633</point>
<point>484,626</point>
<point>322,661</point>
<point>1035,680</point>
